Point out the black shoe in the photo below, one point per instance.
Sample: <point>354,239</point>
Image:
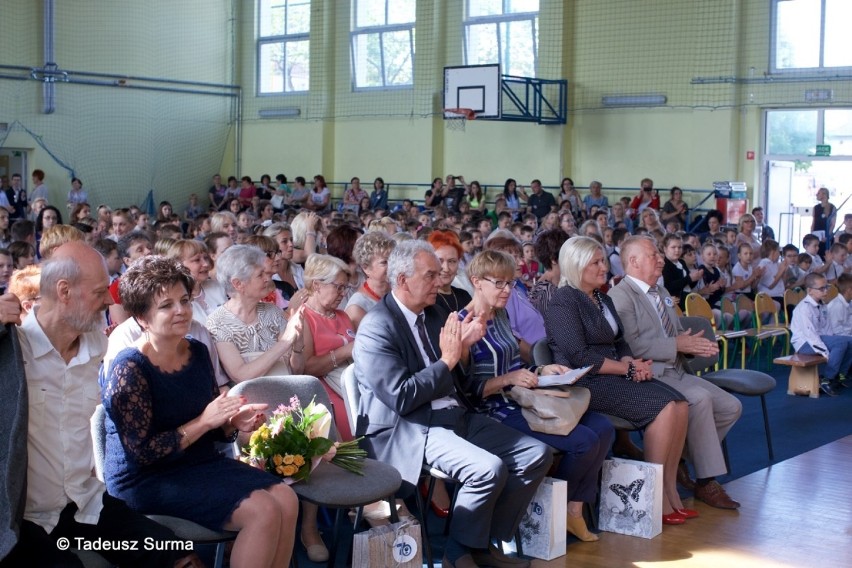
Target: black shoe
<point>825,387</point>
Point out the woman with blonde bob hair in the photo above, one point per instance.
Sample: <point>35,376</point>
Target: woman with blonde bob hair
<point>371,254</point>
<point>583,329</point>
<point>497,366</point>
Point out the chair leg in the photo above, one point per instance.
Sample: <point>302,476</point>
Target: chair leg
<point>219,557</point>
<point>335,538</point>
<point>519,543</point>
<point>725,453</point>
<point>456,487</point>
<point>766,427</point>
<point>421,507</point>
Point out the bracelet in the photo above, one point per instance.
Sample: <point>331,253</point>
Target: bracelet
<point>311,234</point>
<point>333,359</point>
<point>233,437</point>
<point>631,371</point>
<point>182,431</point>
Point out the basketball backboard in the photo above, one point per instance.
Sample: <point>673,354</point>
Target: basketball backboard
<point>476,87</point>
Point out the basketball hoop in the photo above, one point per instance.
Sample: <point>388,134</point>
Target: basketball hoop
<point>457,117</point>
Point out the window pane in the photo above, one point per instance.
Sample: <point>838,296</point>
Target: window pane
<point>838,40</point>
<point>271,68</point>
<point>272,17</point>
<point>299,17</point>
<point>367,58</point>
<point>476,8</point>
<point>298,66</point>
<point>797,34</point>
<point>398,64</point>
<point>838,131</point>
<point>518,48</point>
<point>369,13</point>
<point>482,44</point>
<point>402,11</point>
<point>791,132</point>
<point>519,6</point>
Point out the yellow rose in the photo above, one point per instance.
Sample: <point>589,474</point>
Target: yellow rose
<point>289,470</point>
<point>288,459</point>
<point>277,459</point>
<point>298,460</point>
<point>280,469</point>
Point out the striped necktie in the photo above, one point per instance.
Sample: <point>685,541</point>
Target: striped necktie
<point>668,327</point>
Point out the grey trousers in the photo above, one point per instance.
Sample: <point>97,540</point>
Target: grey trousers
<point>499,469</point>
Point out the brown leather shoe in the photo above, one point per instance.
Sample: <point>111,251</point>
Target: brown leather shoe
<point>683,477</point>
<point>715,495</point>
<point>465,561</point>
<point>496,558</point>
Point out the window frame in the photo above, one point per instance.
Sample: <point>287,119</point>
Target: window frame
<point>498,19</point>
<point>773,50</point>
<point>355,32</point>
<point>283,39</point>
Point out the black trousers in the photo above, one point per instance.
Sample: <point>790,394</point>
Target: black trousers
<point>151,544</point>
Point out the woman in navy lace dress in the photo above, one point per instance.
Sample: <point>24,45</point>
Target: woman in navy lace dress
<point>164,415</point>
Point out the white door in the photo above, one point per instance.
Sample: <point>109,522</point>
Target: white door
<point>780,201</point>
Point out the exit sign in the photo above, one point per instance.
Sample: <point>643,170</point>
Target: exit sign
<point>823,150</point>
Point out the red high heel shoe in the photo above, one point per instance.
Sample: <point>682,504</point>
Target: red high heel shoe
<point>687,513</point>
<point>439,512</point>
<point>674,518</point>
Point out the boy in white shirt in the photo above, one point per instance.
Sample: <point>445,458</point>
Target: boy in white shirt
<point>837,262</point>
<point>840,309</point>
<point>810,318</point>
<point>811,245</point>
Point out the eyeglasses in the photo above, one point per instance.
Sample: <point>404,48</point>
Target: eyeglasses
<point>341,288</point>
<point>500,284</point>
<point>273,255</point>
<point>820,288</point>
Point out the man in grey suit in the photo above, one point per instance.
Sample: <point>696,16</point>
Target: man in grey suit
<point>639,302</point>
<point>414,408</point>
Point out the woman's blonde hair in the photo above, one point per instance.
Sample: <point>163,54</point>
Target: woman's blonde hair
<point>492,263</point>
<point>323,268</point>
<point>574,256</point>
<point>184,248</point>
<point>58,235</point>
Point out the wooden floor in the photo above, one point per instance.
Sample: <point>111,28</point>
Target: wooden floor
<point>797,513</point>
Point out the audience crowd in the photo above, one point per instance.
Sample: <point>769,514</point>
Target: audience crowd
<point>439,306</point>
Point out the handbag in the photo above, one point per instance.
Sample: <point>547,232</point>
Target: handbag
<point>277,201</point>
<point>397,545</point>
<point>543,527</point>
<point>631,498</point>
<point>552,411</point>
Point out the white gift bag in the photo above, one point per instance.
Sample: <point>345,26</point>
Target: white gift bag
<point>397,545</point>
<point>543,526</point>
<point>631,498</point>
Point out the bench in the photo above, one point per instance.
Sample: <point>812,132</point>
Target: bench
<point>804,373</point>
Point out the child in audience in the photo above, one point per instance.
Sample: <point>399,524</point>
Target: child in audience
<point>745,274</point>
<point>840,309</point>
<point>804,263</point>
<point>812,334</point>
<point>811,245</point>
<point>7,266</point>
<point>772,280</point>
<point>192,210</point>
<point>529,267</point>
<point>527,232</point>
<point>712,284</point>
<point>845,239</point>
<point>836,264</point>
<point>466,240</point>
<point>793,277</point>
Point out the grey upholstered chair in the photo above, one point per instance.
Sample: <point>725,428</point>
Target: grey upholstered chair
<point>738,381</point>
<point>184,529</point>
<point>328,486</point>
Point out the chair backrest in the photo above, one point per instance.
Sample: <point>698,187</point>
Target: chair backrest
<point>98,429</point>
<point>280,389</point>
<point>697,306</point>
<point>700,364</point>
<point>764,306</point>
<point>832,293</point>
<point>541,353</point>
<point>728,308</point>
<point>352,396</point>
<point>792,297</point>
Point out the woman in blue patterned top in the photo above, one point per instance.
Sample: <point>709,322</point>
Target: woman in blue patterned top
<point>497,366</point>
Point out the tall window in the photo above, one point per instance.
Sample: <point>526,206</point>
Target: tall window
<point>811,34</point>
<point>283,46</point>
<point>383,43</point>
<point>504,32</point>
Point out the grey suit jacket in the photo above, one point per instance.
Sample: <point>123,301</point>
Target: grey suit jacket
<point>13,446</point>
<point>642,328</point>
<point>396,386</point>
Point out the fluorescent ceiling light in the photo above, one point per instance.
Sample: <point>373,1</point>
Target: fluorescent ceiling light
<point>633,100</point>
<point>279,112</point>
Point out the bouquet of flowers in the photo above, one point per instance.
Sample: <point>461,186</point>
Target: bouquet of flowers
<point>295,439</point>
